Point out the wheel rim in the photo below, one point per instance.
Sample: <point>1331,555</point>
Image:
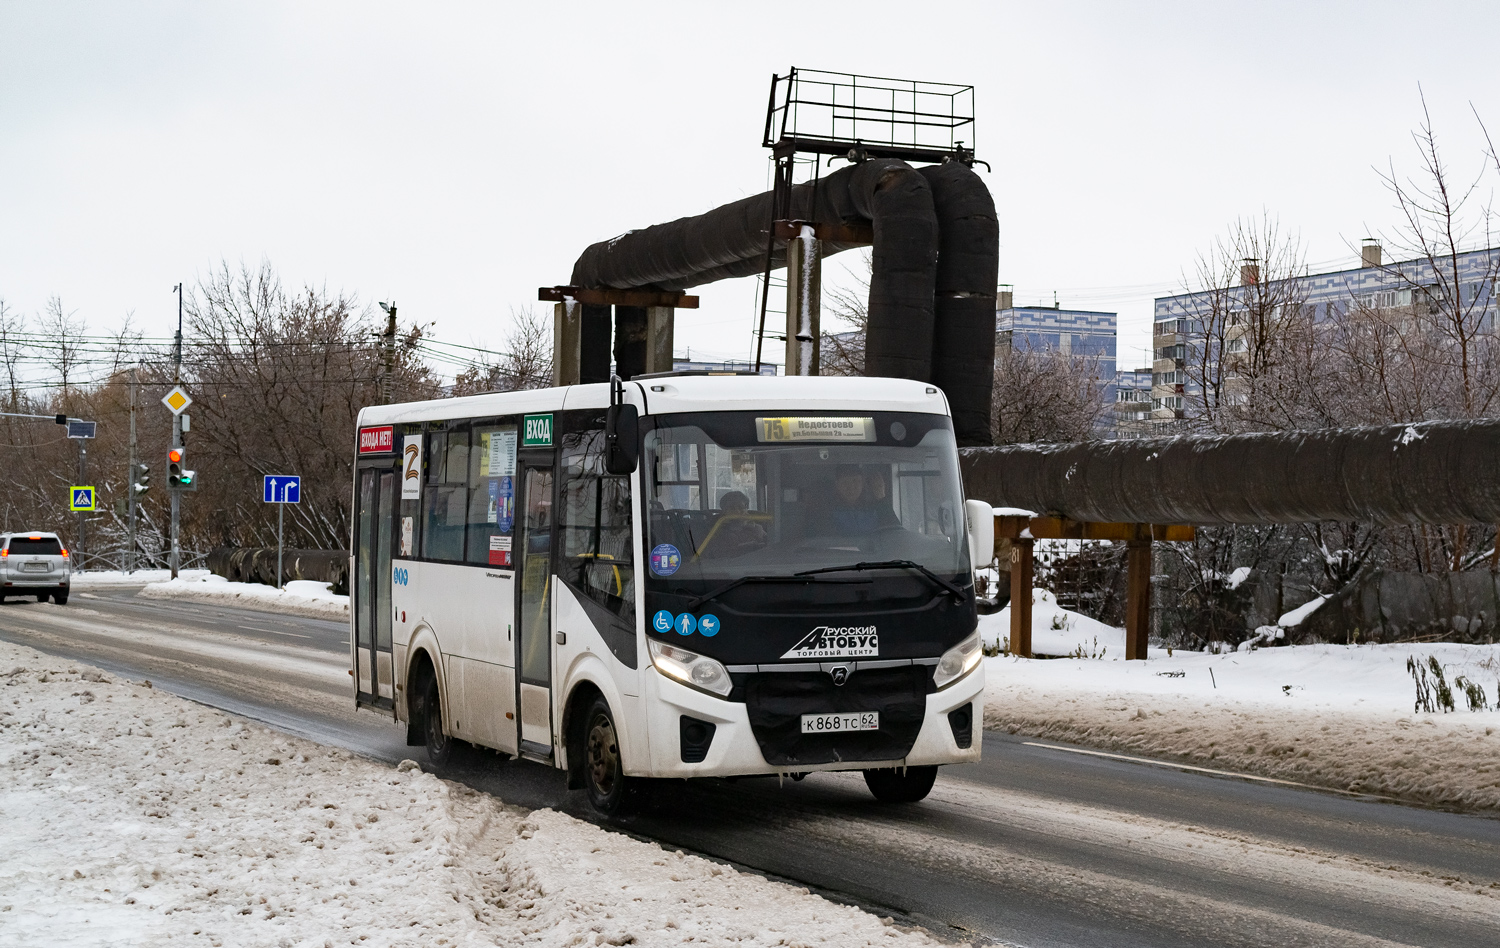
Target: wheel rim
<point>603,756</point>
<point>437,741</point>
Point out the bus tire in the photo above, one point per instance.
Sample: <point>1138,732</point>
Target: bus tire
<point>439,745</point>
<point>603,769</point>
<point>902,784</point>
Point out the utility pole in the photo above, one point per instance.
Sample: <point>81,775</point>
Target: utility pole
<point>388,352</point>
<point>177,432</point>
<point>130,483</point>
<point>83,466</point>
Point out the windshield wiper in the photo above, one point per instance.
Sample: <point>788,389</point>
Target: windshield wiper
<point>958,594</point>
<point>716,593</point>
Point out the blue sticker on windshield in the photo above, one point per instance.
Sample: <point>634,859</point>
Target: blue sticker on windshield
<point>662,621</point>
<point>665,559</point>
<point>686,623</point>
<point>708,625</point>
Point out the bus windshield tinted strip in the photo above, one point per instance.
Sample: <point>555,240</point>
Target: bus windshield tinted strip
<point>958,594</point>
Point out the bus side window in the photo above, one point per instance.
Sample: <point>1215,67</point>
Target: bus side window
<point>596,553</point>
<point>492,495</point>
<point>445,495</point>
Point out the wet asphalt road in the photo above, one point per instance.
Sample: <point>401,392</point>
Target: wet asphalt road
<point>1032,846</point>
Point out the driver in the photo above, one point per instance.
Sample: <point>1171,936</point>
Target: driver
<point>879,499</point>
<point>852,512</point>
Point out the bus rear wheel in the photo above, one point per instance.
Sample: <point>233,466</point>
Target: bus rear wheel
<point>901,784</point>
<point>439,745</point>
<point>603,769</point>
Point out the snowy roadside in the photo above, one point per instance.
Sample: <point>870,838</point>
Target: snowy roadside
<point>301,597</point>
<point>88,579</point>
<point>132,817</point>
<point>1329,715</point>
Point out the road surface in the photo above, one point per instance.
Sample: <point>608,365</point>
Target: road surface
<point>1037,845</point>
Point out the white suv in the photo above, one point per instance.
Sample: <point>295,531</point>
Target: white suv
<point>34,564</point>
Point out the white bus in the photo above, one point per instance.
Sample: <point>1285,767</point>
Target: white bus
<point>677,576</point>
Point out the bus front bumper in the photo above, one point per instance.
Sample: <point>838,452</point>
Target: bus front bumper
<point>735,752</point>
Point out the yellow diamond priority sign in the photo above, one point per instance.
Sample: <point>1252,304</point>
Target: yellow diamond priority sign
<point>81,498</point>
<point>177,399</point>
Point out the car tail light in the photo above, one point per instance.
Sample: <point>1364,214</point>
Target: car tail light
<point>4,553</point>
<point>65,554</point>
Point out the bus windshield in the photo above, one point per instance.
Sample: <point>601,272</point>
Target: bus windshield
<point>737,494</point>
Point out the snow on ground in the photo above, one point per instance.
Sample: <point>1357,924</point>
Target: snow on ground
<point>85,579</point>
<point>302,597</point>
<point>1331,715</point>
<point>1056,631</point>
<point>132,817</point>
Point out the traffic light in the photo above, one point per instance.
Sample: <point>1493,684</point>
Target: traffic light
<point>174,468</point>
<point>188,481</point>
<point>140,480</point>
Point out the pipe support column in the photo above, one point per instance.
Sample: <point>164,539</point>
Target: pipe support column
<point>1022,570</point>
<point>804,266</point>
<point>1137,598</point>
<point>660,322</point>
<point>567,342</point>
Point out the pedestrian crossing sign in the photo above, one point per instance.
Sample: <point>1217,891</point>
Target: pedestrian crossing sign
<point>83,498</point>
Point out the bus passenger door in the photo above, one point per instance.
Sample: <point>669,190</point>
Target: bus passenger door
<point>373,673</point>
<point>534,609</point>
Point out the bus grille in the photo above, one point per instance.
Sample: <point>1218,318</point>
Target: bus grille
<point>776,702</point>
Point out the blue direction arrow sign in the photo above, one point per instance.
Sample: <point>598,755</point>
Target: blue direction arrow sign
<point>282,489</point>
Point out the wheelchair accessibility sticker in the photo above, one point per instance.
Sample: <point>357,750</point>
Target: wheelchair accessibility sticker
<point>662,621</point>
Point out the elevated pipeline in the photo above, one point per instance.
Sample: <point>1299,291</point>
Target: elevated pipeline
<point>1442,472</point>
<point>932,284</point>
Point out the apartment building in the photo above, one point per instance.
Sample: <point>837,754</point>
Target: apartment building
<point>1180,329</point>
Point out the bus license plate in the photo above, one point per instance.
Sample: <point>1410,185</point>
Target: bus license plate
<point>829,723</point>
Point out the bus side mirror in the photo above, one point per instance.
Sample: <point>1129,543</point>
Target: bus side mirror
<point>622,439</point>
<point>981,517</point>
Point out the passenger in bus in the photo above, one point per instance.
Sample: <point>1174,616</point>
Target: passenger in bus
<point>735,534</point>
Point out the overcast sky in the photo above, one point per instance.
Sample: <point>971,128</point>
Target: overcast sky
<point>455,157</point>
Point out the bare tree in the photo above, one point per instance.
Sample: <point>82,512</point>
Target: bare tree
<point>1045,395</point>
<point>525,363</point>
<point>843,352</point>
<point>12,350</point>
<point>64,343</point>
<point>1448,300</point>
<point>1244,330</point>
<point>279,378</point>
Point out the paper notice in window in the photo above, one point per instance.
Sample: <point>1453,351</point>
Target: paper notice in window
<point>502,454</point>
<point>499,551</point>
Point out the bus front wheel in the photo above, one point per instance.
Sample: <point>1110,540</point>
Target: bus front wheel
<point>901,784</point>
<point>603,770</point>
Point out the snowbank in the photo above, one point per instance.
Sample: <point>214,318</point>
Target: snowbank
<point>1056,631</point>
<point>85,579</point>
<point>131,817</point>
<point>302,597</point>
<point>1331,715</point>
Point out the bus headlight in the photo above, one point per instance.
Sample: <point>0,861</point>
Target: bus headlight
<point>690,668</point>
<point>958,661</point>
